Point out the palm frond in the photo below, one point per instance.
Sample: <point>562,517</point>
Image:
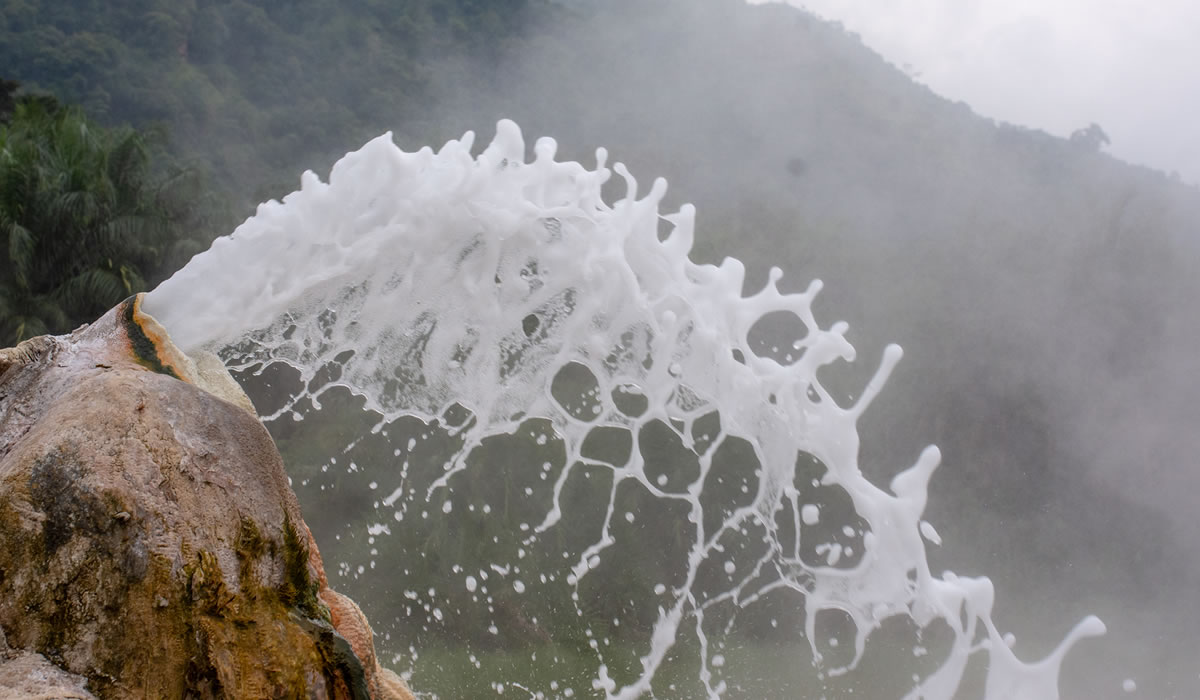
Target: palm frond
<point>83,214</point>
<point>8,305</point>
<point>24,315</point>
<point>93,289</point>
<point>134,233</point>
<point>79,206</point>
<point>21,249</point>
<point>132,280</point>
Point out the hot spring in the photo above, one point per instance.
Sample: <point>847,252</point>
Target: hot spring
<point>553,457</point>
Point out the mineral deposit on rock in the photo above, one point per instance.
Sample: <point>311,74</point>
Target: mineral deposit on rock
<point>149,541</point>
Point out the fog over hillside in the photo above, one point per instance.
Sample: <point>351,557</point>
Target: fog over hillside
<point>1044,292</point>
<point>1058,65</point>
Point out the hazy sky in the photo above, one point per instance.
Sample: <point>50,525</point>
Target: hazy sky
<point>1132,66</point>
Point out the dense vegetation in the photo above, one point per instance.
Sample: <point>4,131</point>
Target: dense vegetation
<point>255,90</point>
<point>182,113</point>
<point>86,217</point>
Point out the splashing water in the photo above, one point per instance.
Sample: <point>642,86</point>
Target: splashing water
<point>505,303</point>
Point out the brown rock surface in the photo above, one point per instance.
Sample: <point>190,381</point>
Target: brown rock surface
<point>28,676</point>
<point>149,541</point>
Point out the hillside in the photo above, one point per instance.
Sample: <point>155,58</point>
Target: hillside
<point>254,91</point>
<point>1044,292</point>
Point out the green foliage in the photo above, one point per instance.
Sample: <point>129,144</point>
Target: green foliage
<point>254,92</point>
<point>85,219</point>
<point>8,89</point>
<point>258,90</point>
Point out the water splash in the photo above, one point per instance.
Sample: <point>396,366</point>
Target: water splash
<point>502,299</point>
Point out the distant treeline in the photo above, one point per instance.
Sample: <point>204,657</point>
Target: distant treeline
<point>134,133</point>
<point>252,89</point>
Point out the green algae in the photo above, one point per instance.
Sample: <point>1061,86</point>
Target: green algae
<point>337,653</point>
<point>145,351</point>
<point>298,589</point>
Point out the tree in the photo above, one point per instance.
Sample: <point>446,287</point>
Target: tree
<point>84,222</point>
<point>8,90</point>
<point>1091,137</point>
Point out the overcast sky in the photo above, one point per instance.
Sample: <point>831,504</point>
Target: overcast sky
<point>1131,66</point>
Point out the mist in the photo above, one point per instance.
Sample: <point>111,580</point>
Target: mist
<point>1043,291</point>
<point>1060,66</point>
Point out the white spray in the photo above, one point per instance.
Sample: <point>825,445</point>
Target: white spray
<point>504,286</point>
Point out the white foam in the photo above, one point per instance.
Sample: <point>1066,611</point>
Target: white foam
<point>505,286</point>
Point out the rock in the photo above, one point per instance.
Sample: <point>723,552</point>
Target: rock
<point>28,676</point>
<point>149,541</point>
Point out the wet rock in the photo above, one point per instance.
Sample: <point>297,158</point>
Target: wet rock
<point>28,676</point>
<point>149,541</point>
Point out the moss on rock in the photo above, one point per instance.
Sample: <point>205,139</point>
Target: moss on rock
<point>149,541</point>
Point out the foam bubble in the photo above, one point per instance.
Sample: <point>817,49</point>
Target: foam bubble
<point>509,290</point>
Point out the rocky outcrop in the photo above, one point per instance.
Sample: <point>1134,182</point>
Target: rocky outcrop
<point>26,675</point>
<point>149,541</point>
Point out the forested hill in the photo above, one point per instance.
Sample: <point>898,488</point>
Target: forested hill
<point>256,89</point>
